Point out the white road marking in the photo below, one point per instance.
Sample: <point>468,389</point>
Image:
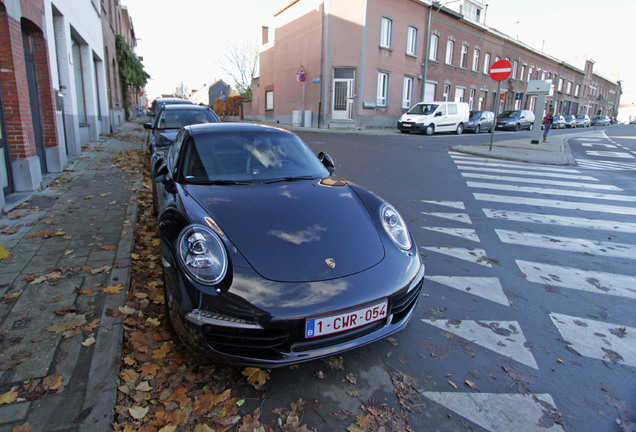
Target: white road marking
<point>476,256</point>
<point>569,205</point>
<point>598,145</point>
<point>528,173</point>
<point>577,279</point>
<point>466,233</point>
<point>606,165</point>
<point>551,191</point>
<point>570,221</point>
<point>454,204</point>
<point>499,412</point>
<point>597,339</point>
<point>541,181</point>
<point>498,163</point>
<point>569,244</point>
<point>503,337</point>
<point>458,217</point>
<point>486,287</point>
<point>620,155</point>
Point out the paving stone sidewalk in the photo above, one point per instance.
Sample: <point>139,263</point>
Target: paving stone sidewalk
<point>68,269</point>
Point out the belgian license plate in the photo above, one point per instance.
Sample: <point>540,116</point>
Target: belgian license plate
<point>406,125</point>
<point>346,321</point>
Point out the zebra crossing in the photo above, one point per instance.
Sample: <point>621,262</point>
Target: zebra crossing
<point>548,196</point>
<point>623,158</point>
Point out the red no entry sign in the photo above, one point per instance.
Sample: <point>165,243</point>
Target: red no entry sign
<point>500,70</point>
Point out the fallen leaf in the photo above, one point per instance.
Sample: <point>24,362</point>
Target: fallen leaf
<point>320,374</point>
<point>472,385</point>
<point>9,397</point>
<point>203,428</point>
<point>26,427</point>
<point>353,393</point>
<point>342,414</point>
<point>144,386</point>
<point>161,353</point>
<point>255,375</point>
<point>138,412</point>
<point>89,341</point>
<point>149,369</point>
<point>113,289</point>
<point>53,382</point>
<point>4,254</point>
<point>351,377</point>
<point>452,384</point>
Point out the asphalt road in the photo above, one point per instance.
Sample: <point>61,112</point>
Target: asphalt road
<point>526,321</point>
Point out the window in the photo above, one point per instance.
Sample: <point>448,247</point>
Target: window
<point>515,66</point>
<point>530,73</point>
<point>487,63</point>
<point>569,90</point>
<point>464,58</point>
<point>476,59</point>
<point>432,54</point>
<point>577,90</point>
<point>560,87</point>
<point>459,94</point>
<point>411,41</point>
<point>447,90</point>
<point>449,51</point>
<point>386,33</point>
<point>407,92</point>
<point>383,89</point>
<point>471,100</point>
<point>78,69</point>
<point>269,100</point>
<point>523,72</point>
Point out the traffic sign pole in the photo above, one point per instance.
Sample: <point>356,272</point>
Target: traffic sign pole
<point>494,126</point>
<point>499,71</point>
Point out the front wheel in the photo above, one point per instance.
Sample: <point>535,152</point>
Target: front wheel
<point>430,130</point>
<point>531,126</point>
<point>460,129</point>
<point>517,127</point>
<point>477,129</point>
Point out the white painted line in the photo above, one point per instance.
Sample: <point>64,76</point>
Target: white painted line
<point>458,217</point>
<point>611,249</point>
<point>496,163</point>
<point>620,155</point>
<point>502,337</point>
<point>551,191</point>
<point>465,233</point>
<point>598,145</point>
<point>453,204</point>
<point>485,287</point>
<point>568,205</point>
<point>574,222</point>
<point>585,280</point>
<point>597,339</point>
<point>529,173</point>
<point>499,412</point>
<point>541,181</point>
<point>606,165</point>
<point>476,256</point>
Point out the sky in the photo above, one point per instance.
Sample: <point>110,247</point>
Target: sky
<point>187,43</point>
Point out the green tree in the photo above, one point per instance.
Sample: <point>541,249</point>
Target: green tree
<point>131,71</point>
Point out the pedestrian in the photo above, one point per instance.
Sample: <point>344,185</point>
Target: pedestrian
<point>547,123</point>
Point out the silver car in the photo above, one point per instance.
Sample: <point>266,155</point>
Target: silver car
<point>583,120</point>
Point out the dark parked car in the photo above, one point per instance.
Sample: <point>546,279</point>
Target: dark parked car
<point>171,119</point>
<point>515,120</point>
<point>583,120</point>
<point>601,121</point>
<point>158,103</point>
<point>268,258</point>
<point>558,122</point>
<point>570,121</point>
<point>480,121</point>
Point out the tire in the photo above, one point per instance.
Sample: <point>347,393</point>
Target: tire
<point>531,126</point>
<point>477,129</point>
<point>460,129</point>
<point>430,130</point>
<point>517,127</point>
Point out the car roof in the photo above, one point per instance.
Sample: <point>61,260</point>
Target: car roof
<point>201,129</point>
<point>173,100</point>
<point>181,107</point>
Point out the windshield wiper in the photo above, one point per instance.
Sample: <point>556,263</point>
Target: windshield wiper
<point>228,182</point>
<point>289,179</point>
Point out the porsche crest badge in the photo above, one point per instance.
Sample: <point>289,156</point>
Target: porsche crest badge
<point>331,262</point>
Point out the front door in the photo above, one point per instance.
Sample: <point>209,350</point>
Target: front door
<point>342,99</point>
<point>5,166</point>
<point>34,97</point>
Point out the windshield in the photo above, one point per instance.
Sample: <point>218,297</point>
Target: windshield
<point>248,157</point>
<point>425,109</point>
<point>474,115</point>
<point>176,119</point>
<point>509,114</point>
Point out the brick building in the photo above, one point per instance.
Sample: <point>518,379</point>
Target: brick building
<point>111,26</point>
<point>368,61</point>
<point>29,143</point>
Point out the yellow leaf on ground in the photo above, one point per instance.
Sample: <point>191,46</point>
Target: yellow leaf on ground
<point>255,375</point>
<point>149,369</point>
<point>4,254</point>
<point>138,412</point>
<point>161,353</point>
<point>203,428</point>
<point>89,341</point>
<point>8,397</point>
<point>113,289</point>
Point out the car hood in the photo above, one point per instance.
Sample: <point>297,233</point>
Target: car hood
<point>302,231</point>
<point>169,134</point>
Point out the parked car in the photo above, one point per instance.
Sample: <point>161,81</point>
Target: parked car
<point>171,119</point>
<point>515,120</point>
<point>480,121</point>
<point>158,103</point>
<point>435,117</point>
<point>601,121</point>
<point>558,122</point>
<point>633,121</point>
<point>570,121</point>
<point>269,259</point>
<point>583,120</point>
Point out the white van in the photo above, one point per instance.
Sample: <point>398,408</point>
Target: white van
<point>431,117</point>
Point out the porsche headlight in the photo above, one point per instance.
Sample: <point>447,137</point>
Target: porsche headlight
<point>394,226</point>
<point>202,254</point>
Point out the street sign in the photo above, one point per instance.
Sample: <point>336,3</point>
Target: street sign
<point>500,70</point>
<point>301,71</point>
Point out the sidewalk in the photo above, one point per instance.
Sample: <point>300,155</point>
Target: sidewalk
<point>68,268</point>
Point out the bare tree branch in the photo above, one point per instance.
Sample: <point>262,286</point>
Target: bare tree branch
<point>241,64</point>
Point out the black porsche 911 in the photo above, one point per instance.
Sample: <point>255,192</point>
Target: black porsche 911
<point>268,258</point>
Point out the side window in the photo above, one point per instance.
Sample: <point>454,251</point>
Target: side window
<point>452,108</point>
<point>174,152</point>
<point>442,110</point>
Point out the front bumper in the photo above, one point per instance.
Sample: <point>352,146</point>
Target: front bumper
<point>280,339</point>
<point>411,126</point>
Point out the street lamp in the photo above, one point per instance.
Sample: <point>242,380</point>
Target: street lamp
<point>431,18</point>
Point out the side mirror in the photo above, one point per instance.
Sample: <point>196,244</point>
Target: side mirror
<point>326,160</point>
<point>147,125</point>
